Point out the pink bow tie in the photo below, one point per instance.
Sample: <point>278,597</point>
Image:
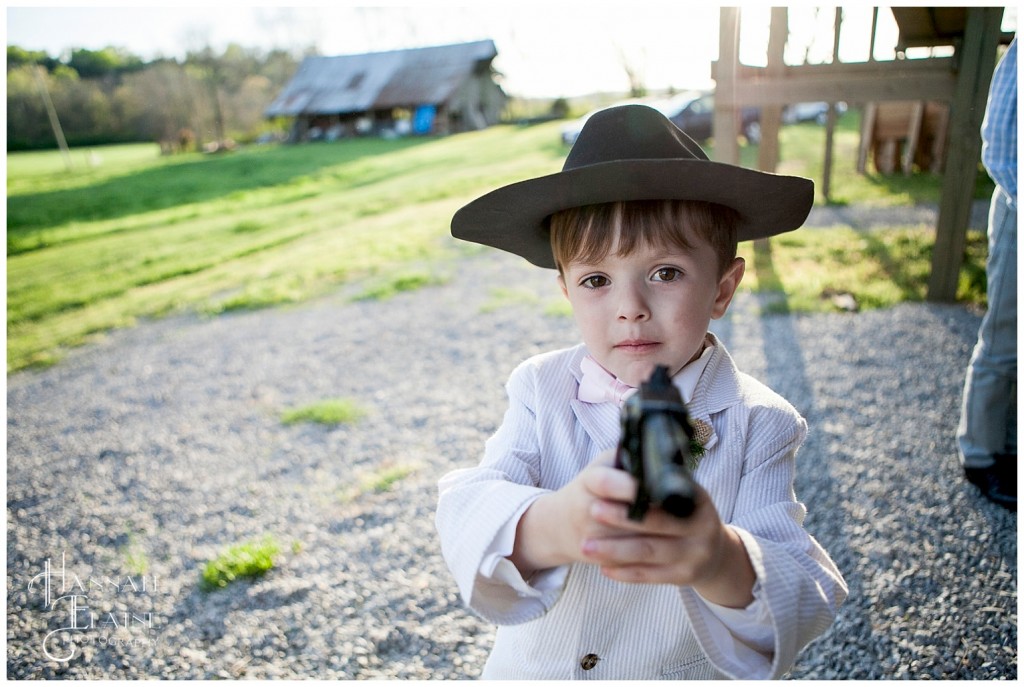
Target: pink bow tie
<point>598,385</point>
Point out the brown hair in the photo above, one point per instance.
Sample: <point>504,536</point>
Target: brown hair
<point>587,233</point>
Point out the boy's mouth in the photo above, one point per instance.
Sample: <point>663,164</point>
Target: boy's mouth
<point>636,345</point>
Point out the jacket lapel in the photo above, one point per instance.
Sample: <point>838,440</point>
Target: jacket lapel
<point>599,420</point>
<point>717,389</point>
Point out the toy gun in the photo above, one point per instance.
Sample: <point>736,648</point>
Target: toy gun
<point>655,447</point>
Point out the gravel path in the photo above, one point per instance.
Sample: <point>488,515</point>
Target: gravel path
<point>138,459</point>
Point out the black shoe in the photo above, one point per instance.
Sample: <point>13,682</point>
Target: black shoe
<point>998,483</point>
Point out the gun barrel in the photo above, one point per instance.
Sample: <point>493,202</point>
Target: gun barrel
<point>669,483</point>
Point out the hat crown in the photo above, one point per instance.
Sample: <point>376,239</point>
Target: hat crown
<point>630,153</point>
<point>630,132</point>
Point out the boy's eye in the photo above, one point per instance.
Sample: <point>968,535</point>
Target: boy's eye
<point>667,274</point>
<point>594,281</point>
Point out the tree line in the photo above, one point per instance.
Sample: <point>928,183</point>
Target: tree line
<point>206,100</point>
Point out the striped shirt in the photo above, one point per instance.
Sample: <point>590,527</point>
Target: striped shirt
<point>999,128</point>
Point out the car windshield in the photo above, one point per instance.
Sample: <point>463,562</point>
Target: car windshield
<point>670,107</point>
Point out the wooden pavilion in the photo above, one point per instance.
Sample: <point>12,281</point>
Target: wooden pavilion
<point>961,80</point>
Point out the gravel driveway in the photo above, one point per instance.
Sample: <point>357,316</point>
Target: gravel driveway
<point>137,460</point>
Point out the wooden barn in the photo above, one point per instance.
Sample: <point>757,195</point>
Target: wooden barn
<point>433,90</point>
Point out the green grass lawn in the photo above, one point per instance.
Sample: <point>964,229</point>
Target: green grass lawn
<point>128,234</point>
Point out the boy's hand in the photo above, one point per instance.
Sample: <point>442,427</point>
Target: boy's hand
<point>554,527</point>
<point>586,521</point>
<point>698,551</point>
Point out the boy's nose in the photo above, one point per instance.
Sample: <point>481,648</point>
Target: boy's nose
<point>633,307</point>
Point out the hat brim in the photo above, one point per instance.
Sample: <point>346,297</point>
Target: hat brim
<point>514,218</point>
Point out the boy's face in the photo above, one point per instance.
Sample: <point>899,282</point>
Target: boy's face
<point>650,307</point>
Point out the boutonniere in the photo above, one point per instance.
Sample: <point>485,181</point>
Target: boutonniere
<point>702,433</point>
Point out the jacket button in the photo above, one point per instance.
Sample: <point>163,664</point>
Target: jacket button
<point>589,661</point>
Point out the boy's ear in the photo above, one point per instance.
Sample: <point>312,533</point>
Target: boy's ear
<point>727,286</point>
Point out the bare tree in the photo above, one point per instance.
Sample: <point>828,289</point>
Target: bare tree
<point>634,73</point>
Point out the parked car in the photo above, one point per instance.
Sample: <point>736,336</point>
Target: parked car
<point>692,112</point>
<point>809,112</point>
<point>695,115</point>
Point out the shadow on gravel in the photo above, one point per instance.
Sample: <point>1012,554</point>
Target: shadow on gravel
<point>812,374</point>
<point>768,280</point>
<point>786,373</point>
<point>929,563</point>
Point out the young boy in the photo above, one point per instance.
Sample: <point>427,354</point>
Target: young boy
<point>642,229</point>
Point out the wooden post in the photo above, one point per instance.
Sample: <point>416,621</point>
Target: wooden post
<point>874,32</point>
<point>938,114</point>
<point>867,135</point>
<point>977,62</point>
<point>830,121</point>
<point>724,123</point>
<point>913,137</point>
<point>771,115</point>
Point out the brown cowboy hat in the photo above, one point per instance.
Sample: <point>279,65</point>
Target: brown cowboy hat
<point>631,152</point>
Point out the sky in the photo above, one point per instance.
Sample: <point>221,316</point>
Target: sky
<point>547,49</point>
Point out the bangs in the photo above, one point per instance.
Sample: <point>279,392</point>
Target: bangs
<point>587,234</point>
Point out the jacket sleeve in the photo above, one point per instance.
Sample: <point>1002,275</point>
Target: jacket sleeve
<point>475,505</point>
<point>796,580</point>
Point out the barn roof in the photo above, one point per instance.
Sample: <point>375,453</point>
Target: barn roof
<point>357,83</point>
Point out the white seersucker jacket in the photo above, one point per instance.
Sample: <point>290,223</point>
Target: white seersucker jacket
<point>586,626</point>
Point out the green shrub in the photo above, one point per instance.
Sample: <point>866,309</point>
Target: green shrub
<point>241,561</point>
<point>378,481</point>
<point>389,288</point>
<point>333,411</point>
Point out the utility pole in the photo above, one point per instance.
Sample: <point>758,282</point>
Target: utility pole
<point>51,111</point>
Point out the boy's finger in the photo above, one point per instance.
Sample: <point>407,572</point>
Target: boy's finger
<point>609,483</point>
<point>617,552</point>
